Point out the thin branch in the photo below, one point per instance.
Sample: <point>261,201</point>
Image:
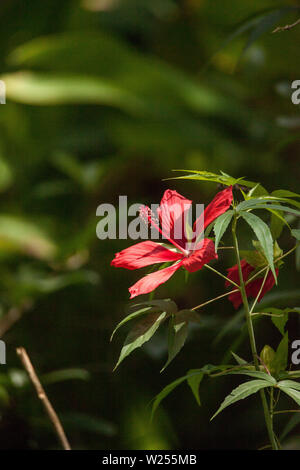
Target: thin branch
<point>215,298</point>
<point>286,411</point>
<point>287,27</point>
<point>222,275</point>
<point>259,292</point>
<point>43,397</point>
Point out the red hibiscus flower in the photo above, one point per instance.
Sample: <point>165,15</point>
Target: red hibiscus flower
<point>253,288</point>
<point>171,212</point>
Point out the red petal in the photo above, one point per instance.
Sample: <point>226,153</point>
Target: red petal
<point>254,286</point>
<point>171,211</point>
<point>144,254</point>
<point>233,273</point>
<point>235,299</point>
<point>199,257</point>
<point>220,203</point>
<point>152,281</point>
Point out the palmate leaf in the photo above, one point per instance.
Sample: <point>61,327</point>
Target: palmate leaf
<point>264,236</point>
<point>242,391</point>
<point>222,178</point>
<point>221,225</point>
<point>141,333</point>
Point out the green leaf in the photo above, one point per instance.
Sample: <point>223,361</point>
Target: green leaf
<point>254,257</point>
<point>223,178</point>
<point>194,383</point>
<point>164,305</point>
<point>266,200</point>
<point>277,223</point>
<point>187,315</point>
<point>289,374</point>
<point>264,236</point>
<point>178,331</point>
<point>281,356</point>
<point>291,388</point>
<point>284,193</point>
<point>132,316</point>
<point>291,424</point>
<point>239,359</point>
<point>221,225</point>
<point>207,370</point>
<point>245,205</point>
<point>253,373</point>
<point>279,318</point>
<point>296,233</point>
<point>242,391</point>
<point>165,392</point>
<point>289,384</point>
<point>141,333</point>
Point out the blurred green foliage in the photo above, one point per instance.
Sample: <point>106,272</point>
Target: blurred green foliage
<point>104,98</point>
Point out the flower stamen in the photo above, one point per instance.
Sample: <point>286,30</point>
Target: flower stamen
<point>149,218</point>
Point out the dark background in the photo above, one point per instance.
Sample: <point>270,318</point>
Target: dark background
<point>106,98</point>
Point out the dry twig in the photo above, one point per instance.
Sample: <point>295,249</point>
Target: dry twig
<point>43,397</point>
<point>287,27</point>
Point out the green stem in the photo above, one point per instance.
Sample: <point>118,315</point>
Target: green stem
<point>267,415</point>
